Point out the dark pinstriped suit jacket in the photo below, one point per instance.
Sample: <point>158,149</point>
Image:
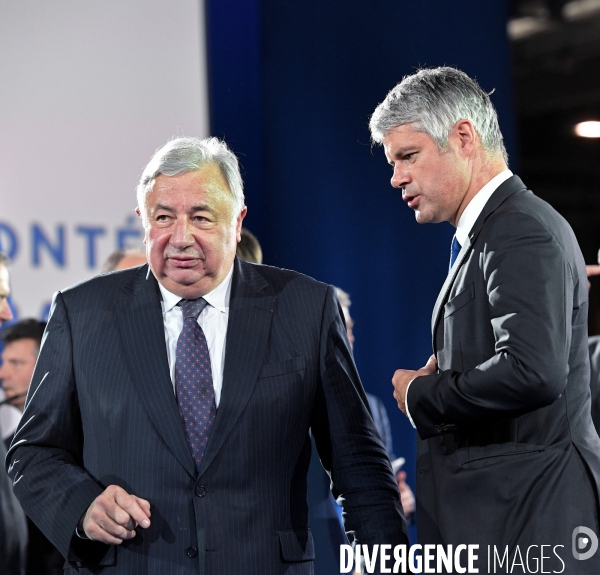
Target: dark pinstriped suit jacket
<point>102,411</point>
<point>508,453</point>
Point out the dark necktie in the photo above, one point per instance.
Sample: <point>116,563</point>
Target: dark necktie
<point>454,250</point>
<point>193,380</point>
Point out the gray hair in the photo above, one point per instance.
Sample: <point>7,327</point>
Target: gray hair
<point>182,155</point>
<point>434,100</point>
<point>4,259</point>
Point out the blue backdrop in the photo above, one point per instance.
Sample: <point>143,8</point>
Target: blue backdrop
<point>292,85</point>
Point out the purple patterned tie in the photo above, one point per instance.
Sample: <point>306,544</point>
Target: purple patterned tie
<point>193,380</point>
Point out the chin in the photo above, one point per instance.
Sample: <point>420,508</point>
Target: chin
<point>184,280</point>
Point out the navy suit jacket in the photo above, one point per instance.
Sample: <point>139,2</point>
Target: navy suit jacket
<point>101,411</point>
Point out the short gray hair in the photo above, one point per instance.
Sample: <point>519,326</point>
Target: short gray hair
<point>434,100</point>
<point>182,155</point>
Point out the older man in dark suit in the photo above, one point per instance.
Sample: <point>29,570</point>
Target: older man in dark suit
<point>167,429</point>
<point>508,455</point>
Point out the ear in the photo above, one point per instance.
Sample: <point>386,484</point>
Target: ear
<point>238,224</point>
<point>464,137</point>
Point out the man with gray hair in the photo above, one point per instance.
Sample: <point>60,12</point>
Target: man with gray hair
<point>167,427</point>
<point>507,455</point>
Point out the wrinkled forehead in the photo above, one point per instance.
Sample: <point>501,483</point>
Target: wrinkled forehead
<point>400,138</point>
<point>205,186</point>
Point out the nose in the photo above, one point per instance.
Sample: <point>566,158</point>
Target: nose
<point>5,312</point>
<point>182,236</point>
<point>400,177</point>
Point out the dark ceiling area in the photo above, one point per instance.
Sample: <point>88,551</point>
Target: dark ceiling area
<point>556,70</point>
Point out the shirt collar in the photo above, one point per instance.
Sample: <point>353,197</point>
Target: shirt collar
<point>218,298</point>
<point>476,205</point>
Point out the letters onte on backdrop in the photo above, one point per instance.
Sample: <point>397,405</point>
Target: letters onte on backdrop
<point>89,92</point>
<point>62,254</point>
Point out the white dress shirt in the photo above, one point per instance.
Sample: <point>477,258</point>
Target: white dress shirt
<point>475,206</point>
<point>463,229</point>
<point>213,321</point>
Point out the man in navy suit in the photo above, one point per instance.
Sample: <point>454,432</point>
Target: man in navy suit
<point>156,440</point>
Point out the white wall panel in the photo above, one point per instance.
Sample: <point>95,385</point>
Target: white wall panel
<point>88,91</point>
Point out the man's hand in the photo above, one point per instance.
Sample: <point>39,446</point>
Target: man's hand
<point>403,377</point>
<point>406,495</point>
<point>113,516</point>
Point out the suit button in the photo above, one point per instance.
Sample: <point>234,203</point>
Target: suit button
<point>200,491</point>
<point>191,552</point>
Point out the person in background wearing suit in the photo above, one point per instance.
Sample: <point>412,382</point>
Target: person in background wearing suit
<point>13,527</point>
<point>508,454</point>
<point>167,428</point>
<point>22,342</point>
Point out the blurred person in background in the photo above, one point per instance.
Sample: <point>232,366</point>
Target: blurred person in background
<point>22,342</point>
<point>123,259</point>
<point>13,526</point>
<point>5,311</point>
<point>9,414</point>
<point>248,247</point>
<point>21,347</point>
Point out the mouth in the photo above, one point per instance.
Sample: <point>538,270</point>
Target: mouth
<point>183,262</point>
<point>411,200</point>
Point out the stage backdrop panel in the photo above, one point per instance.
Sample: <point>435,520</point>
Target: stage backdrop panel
<point>89,90</point>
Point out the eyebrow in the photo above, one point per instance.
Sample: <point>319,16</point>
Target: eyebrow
<point>403,151</point>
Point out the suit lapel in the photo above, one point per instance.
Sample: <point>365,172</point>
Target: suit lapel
<point>248,328</point>
<point>442,296</point>
<point>141,325</point>
<point>506,189</point>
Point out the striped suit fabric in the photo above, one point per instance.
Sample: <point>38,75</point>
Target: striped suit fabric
<point>102,411</point>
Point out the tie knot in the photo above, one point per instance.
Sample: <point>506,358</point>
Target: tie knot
<point>192,307</point>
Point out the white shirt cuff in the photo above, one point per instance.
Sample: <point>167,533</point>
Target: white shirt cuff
<point>406,403</point>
